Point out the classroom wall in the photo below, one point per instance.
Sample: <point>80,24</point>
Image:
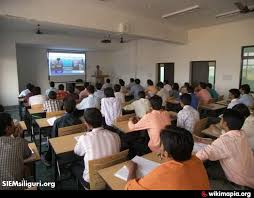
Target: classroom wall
<point>33,67</point>
<point>221,43</point>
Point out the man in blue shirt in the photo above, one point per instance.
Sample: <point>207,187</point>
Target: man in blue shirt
<point>246,98</point>
<point>135,89</point>
<point>194,98</point>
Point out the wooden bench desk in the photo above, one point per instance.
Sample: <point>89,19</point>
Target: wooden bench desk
<point>212,107</point>
<point>213,132</point>
<point>223,102</point>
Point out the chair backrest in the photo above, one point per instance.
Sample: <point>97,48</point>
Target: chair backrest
<point>54,114</point>
<point>71,130</point>
<point>199,127</point>
<point>96,181</point>
<point>37,106</point>
<point>221,98</point>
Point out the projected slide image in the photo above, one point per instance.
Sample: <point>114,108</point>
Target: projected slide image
<point>66,63</point>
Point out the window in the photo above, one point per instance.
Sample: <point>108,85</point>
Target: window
<point>247,66</point>
<point>211,75</point>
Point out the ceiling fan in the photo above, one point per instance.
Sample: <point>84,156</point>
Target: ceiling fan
<point>122,40</point>
<point>242,9</point>
<point>106,40</point>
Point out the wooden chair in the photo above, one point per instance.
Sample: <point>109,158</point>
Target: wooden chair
<point>54,114</point>
<point>37,106</point>
<point>221,98</point>
<point>199,127</point>
<point>96,181</point>
<point>71,130</point>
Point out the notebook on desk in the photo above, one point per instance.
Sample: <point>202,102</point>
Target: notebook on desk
<point>51,121</point>
<point>145,166</point>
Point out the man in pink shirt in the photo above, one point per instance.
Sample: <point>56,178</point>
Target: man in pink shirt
<point>203,95</point>
<point>154,121</point>
<point>232,150</point>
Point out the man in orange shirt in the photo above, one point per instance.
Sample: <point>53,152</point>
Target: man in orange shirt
<point>153,122</point>
<point>203,95</point>
<point>182,171</point>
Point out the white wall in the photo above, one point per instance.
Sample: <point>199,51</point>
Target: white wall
<point>221,43</point>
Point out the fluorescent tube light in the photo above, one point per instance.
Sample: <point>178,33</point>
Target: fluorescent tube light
<point>227,14</point>
<point>181,11</point>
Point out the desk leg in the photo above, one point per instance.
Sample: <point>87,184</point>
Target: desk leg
<point>40,140</point>
<point>54,161</point>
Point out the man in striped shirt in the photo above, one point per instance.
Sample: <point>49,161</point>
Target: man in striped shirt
<point>52,105</point>
<point>95,144</point>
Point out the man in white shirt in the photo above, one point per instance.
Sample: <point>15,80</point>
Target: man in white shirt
<point>99,93</point>
<point>234,95</point>
<point>246,98</point>
<point>107,84</point>
<point>188,116</point>
<point>37,98</point>
<point>140,106</point>
<point>52,88</point>
<point>95,144</point>
<point>111,107</point>
<point>89,102</point>
<point>167,86</point>
<point>28,90</point>
<point>163,93</point>
<point>118,94</point>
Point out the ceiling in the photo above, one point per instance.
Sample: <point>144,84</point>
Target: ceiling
<point>205,16</point>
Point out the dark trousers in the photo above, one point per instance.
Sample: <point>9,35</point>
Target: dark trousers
<point>77,170</point>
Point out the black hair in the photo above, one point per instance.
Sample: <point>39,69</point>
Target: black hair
<point>150,82</point>
<point>5,121</point>
<point>190,89</point>
<point>175,86</point>
<point>109,92</point>
<point>132,80</point>
<point>90,89</point>
<point>209,85</point>
<point>29,86</point>
<point>166,82</point>
<point>52,84</point>
<point>36,91</point>
<point>235,92</point>
<point>156,102</point>
<point>178,142</point>
<point>186,84</point>
<point>186,99</point>
<point>71,88</point>
<point>242,109</point>
<point>117,88</point>
<point>234,119</point>
<point>202,85</point>
<point>245,88</point>
<point>1,108</point>
<point>93,117</point>
<point>141,94</point>
<point>98,86</point>
<point>61,87</point>
<point>69,104</point>
<point>86,84</point>
<point>137,81</point>
<point>52,95</point>
<point>108,81</point>
<point>160,85</point>
<point>121,82</point>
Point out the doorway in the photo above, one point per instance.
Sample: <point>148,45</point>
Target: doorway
<point>166,72</point>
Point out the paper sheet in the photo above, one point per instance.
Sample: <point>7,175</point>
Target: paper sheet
<point>51,121</point>
<point>145,166</point>
<point>77,138</point>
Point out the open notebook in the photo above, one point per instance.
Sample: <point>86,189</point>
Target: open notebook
<point>144,167</point>
<point>51,121</point>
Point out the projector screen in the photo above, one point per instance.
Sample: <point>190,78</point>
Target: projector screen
<point>66,63</point>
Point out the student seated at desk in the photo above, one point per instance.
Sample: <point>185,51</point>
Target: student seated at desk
<point>153,122</point>
<point>99,93</point>
<point>212,91</point>
<point>37,98</point>
<point>151,90</point>
<point>95,144</point>
<point>124,89</point>
<point>202,94</point>
<point>89,102</point>
<point>135,89</point>
<point>182,171</point>
<point>111,107</point>
<point>118,94</point>
<point>175,91</point>
<point>234,159</point>
<point>70,118</point>
<point>14,152</point>
<point>163,93</point>
<point>52,88</point>
<point>167,86</point>
<point>141,106</point>
<point>107,84</point>
<point>234,96</point>
<point>71,92</point>
<point>132,83</point>
<point>52,104</point>
<point>61,94</point>
<point>246,98</point>
<point>248,125</point>
<point>29,88</point>
<point>194,98</point>
<point>188,116</point>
